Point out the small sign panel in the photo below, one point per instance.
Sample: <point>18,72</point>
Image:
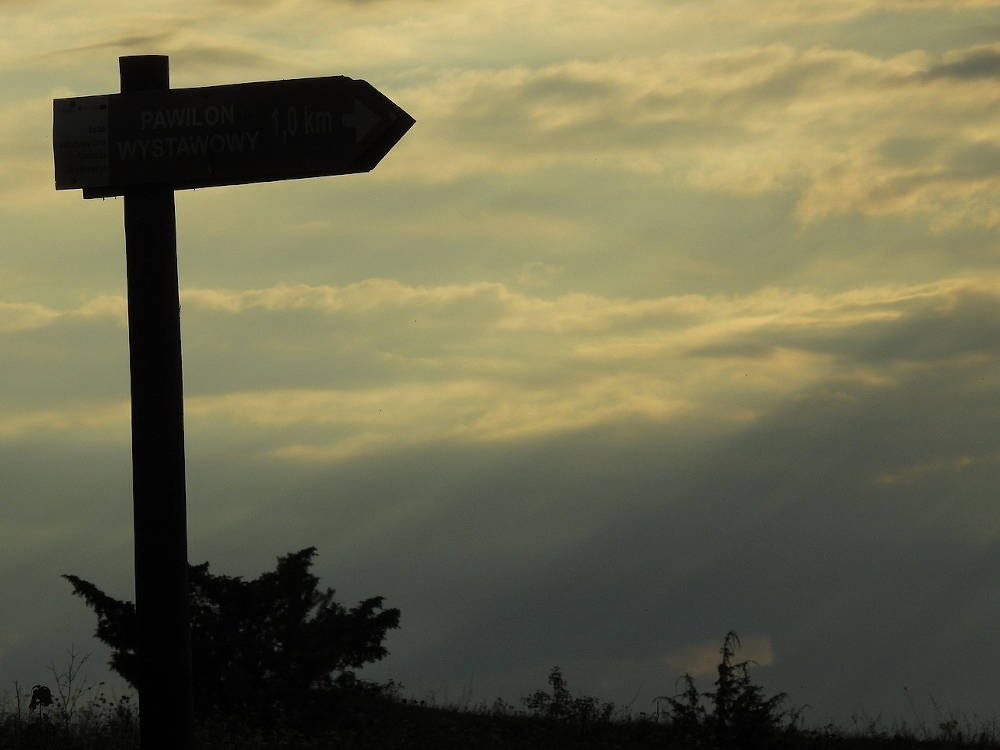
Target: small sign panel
<point>80,140</point>
<point>223,135</point>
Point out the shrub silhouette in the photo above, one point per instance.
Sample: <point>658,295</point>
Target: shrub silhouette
<point>41,697</point>
<point>560,705</point>
<point>267,645</point>
<point>740,716</point>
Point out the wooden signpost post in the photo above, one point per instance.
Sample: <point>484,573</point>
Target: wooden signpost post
<point>143,144</point>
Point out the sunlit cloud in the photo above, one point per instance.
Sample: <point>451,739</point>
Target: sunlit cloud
<point>414,414</point>
<point>946,466</point>
<point>699,659</point>
<point>105,421</point>
<point>497,365</point>
<point>517,311</point>
<point>748,120</point>
<point>793,12</point>
<point>104,306</point>
<point>17,316</point>
<point>21,316</point>
<point>359,297</point>
<point>819,120</point>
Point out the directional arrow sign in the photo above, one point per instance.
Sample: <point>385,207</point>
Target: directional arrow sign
<point>222,135</point>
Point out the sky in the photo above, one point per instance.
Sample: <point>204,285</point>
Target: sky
<point>665,319</point>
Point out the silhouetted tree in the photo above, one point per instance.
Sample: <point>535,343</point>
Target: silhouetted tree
<point>269,644</point>
<point>741,717</point>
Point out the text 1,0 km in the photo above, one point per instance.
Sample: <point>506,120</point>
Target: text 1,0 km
<point>290,122</point>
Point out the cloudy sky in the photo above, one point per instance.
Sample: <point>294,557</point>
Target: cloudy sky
<point>666,318</point>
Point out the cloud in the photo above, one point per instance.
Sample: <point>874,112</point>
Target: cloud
<point>776,528</point>
<point>21,316</point>
<point>234,55</point>
<point>820,12</point>
<point>26,148</point>
<point>820,121</point>
<point>974,63</point>
<point>457,411</point>
<point>562,482</point>
<point>492,303</point>
<point>950,466</point>
<point>104,306</point>
<point>824,122</point>
<point>94,420</point>
<point>189,50</point>
<point>546,367</point>
<point>538,274</point>
<point>126,42</point>
<point>324,373</point>
<point>624,552</point>
<point>698,659</point>
<point>359,297</point>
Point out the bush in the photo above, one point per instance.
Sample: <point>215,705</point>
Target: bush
<point>560,705</point>
<point>264,646</point>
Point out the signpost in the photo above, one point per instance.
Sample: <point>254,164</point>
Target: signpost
<point>143,144</point>
<point>222,135</point>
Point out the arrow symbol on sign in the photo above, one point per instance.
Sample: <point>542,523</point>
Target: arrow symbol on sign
<point>362,120</point>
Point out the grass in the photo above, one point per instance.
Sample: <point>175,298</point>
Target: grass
<point>395,723</point>
<point>735,716</point>
<point>392,722</point>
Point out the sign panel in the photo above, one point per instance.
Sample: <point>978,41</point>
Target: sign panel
<point>80,136</point>
<point>223,135</point>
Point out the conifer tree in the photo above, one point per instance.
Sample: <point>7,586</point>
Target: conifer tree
<point>270,643</point>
